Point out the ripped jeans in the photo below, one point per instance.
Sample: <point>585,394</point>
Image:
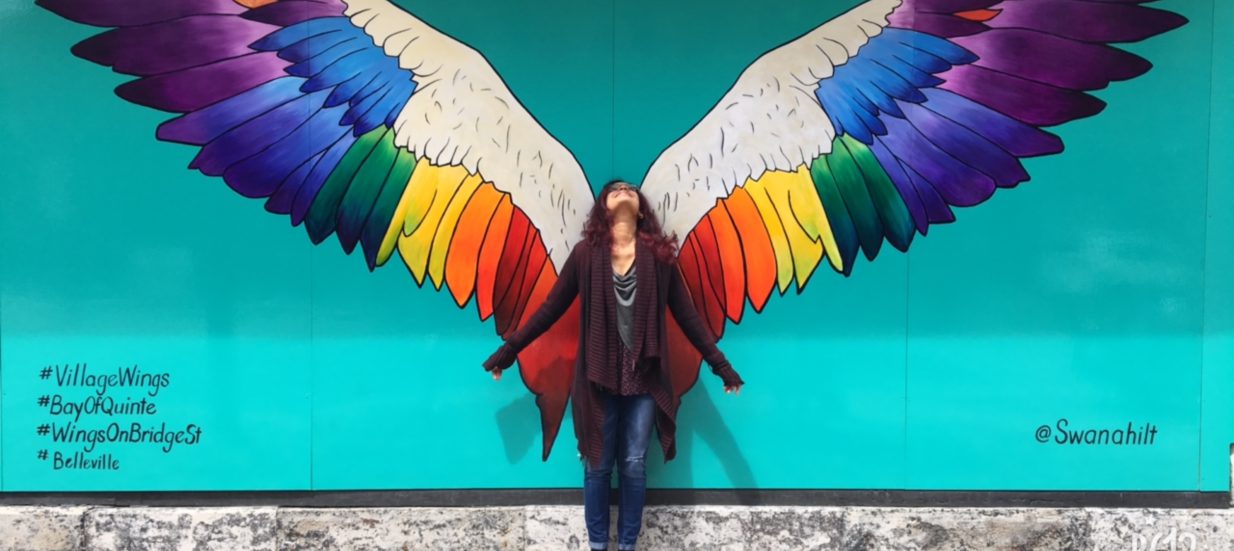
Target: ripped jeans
<point>627,432</point>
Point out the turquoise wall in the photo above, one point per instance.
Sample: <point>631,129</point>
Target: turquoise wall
<point>1098,293</point>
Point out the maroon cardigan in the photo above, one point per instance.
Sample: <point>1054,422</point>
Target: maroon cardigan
<point>589,277</point>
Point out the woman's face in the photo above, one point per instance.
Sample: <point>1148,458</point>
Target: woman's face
<point>621,195</point>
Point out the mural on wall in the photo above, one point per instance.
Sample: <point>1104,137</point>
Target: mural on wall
<point>359,120</point>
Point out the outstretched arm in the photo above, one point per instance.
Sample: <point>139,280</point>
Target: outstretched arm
<point>698,333</point>
<point>563,293</point>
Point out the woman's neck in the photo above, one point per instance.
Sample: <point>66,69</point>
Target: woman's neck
<point>624,229</point>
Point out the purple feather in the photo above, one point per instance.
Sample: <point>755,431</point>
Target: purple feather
<point>260,174</point>
<point>173,45</point>
<point>936,208</point>
<point>946,6</point>
<point>911,199</point>
<point>1032,102</point>
<point>937,17</point>
<point>1013,136</point>
<point>940,25</point>
<point>203,126</point>
<point>192,89</point>
<point>289,12</point>
<point>336,3</point>
<point>1086,21</point>
<point>255,135</point>
<point>127,13</point>
<point>1052,60</point>
<point>966,146</point>
<point>957,182</point>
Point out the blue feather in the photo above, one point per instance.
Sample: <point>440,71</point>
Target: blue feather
<point>313,45</point>
<point>867,67</point>
<point>871,91</point>
<point>348,89</point>
<point>871,126</point>
<point>354,63</point>
<point>916,76</point>
<point>360,109</point>
<point>312,184</point>
<point>892,67</point>
<point>397,100</point>
<point>925,61</point>
<point>853,97</point>
<point>376,86</point>
<point>280,201</point>
<point>842,114</point>
<point>893,84</point>
<point>323,59</point>
<point>939,47</point>
<point>287,36</point>
<point>284,138</point>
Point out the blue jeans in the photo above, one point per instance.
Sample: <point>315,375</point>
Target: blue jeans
<point>626,432</point>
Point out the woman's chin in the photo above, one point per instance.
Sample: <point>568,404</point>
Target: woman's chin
<point>622,209</point>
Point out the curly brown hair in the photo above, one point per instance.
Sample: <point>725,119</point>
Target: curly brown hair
<point>598,233</point>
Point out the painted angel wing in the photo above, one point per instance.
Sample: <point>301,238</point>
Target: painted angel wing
<point>872,126</point>
<point>359,120</point>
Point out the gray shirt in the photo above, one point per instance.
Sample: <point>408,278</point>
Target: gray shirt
<point>624,286</point>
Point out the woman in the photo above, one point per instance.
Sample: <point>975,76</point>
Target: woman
<point>625,274</point>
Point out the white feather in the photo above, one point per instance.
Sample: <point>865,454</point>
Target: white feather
<point>769,120</point>
<point>463,114</point>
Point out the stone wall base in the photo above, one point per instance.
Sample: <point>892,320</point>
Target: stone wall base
<point>665,528</point>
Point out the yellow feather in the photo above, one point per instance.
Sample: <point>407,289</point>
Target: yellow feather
<point>428,194</point>
<point>783,191</point>
<point>445,230</point>
<point>809,211</point>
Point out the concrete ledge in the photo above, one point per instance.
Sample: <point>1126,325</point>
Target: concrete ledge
<point>1045,528</point>
<point>155,528</point>
<point>402,528</point>
<point>1172,529</point>
<point>42,528</point>
<point>664,528</point>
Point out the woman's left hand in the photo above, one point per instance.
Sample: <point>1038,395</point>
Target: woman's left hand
<point>500,360</point>
<point>732,381</point>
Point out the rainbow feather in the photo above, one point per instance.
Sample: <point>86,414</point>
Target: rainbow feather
<point>290,101</point>
<point>938,109</point>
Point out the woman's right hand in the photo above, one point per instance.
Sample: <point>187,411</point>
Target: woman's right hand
<point>500,360</point>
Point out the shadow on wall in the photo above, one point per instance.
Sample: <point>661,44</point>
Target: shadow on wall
<point>517,433</point>
<point>703,422</point>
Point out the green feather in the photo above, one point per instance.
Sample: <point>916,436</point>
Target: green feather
<point>387,202</point>
<point>837,215</point>
<point>323,214</point>
<point>362,193</point>
<point>853,189</point>
<point>897,221</point>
